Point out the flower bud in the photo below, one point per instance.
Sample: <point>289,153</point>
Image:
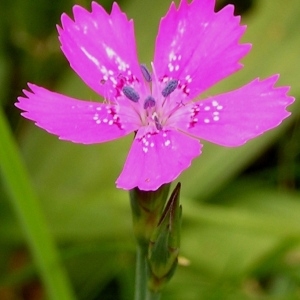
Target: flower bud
<point>165,243</point>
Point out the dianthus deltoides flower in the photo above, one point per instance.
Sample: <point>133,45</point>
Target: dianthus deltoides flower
<point>195,48</point>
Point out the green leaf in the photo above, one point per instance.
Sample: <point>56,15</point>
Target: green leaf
<point>27,208</point>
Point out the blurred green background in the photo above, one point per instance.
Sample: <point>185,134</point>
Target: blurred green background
<point>241,206</point>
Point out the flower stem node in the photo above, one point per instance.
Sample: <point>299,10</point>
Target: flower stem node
<point>165,243</point>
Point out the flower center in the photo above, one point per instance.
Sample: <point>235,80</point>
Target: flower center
<point>152,112</point>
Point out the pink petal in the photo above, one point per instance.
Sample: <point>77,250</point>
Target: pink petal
<point>233,118</point>
<point>100,48</point>
<point>74,120</point>
<point>198,46</point>
<point>157,158</point>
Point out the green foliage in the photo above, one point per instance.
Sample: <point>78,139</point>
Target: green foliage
<point>241,220</point>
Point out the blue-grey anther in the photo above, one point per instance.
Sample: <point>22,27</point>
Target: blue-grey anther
<point>146,73</point>
<point>149,102</point>
<point>157,124</point>
<point>131,93</point>
<point>170,87</point>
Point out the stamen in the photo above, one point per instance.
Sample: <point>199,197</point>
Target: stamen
<point>146,73</point>
<point>170,87</point>
<point>149,102</point>
<point>157,124</point>
<point>131,93</point>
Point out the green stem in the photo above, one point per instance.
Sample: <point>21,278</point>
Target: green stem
<point>152,296</point>
<point>141,274</point>
<point>141,290</point>
<point>31,218</point>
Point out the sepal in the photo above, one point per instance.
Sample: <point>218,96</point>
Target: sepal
<point>147,207</point>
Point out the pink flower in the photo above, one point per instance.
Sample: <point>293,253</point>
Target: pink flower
<point>195,48</point>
